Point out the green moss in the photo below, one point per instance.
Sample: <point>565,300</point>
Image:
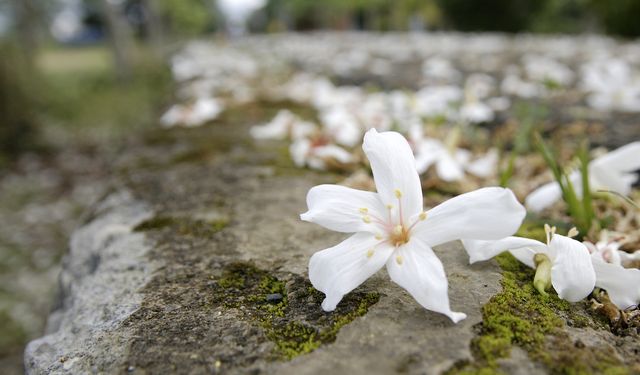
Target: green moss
<point>182,225</point>
<point>521,316</point>
<point>533,231</point>
<point>13,335</point>
<point>296,324</point>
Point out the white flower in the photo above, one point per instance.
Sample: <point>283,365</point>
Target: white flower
<point>392,229</point>
<point>622,284</point>
<point>571,272</point>
<point>196,114</point>
<point>608,250</point>
<point>284,125</point>
<point>317,153</point>
<point>450,162</point>
<point>612,85</point>
<point>612,171</point>
<point>342,125</point>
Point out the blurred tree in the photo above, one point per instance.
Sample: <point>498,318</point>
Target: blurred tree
<point>187,17</point>
<point>154,29</point>
<point>120,37</point>
<point>29,24</point>
<point>621,17</point>
<point>491,15</point>
<point>564,16</point>
<point>352,14</point>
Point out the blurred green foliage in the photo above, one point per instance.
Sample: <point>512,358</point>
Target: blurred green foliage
<point>617,17</point>
<point>499,15</point>
<point>187,17</point>
<point>17,103</point>
<point>382,15</point>
<point>620,17</point>
<point>84,99</point>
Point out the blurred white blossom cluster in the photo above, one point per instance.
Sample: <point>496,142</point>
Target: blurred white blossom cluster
<point>432,88</point>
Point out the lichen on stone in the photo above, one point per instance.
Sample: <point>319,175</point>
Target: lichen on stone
<point>296,324</point>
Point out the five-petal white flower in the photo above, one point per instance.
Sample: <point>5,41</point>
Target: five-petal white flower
<point>392,229</point>
<point>612,171</point>
<point>572,274</point>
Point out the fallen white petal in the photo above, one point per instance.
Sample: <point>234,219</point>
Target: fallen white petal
<point>622,284</point>
<point>394,170</point>
<point>340,208</point>
<point>417,269</point>
<point>484,166</point>
<point>338,270</point>
<point>448,168</point>
<point>572,273</point>
<point>524,249</point>
<point>485,214</point>
<point>543,197</point>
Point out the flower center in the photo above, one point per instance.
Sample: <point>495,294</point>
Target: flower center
<point>395,231</point>
<point>399,235</point>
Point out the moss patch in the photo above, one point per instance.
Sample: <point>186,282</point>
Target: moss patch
<point>295,323</point>
<point>182,225</point>
<point>521,316</point>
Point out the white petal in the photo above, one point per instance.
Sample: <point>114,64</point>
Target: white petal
<point>338,270</point>
<point>485,214</point>
<point>623,159</point>
<point>484,166</point>
<point>522,248</point>
<point>299,151</point>
<point>417,269</point>
<point>572,274</point>
<point>449,169</point>
<point>428,152</point>
<point>628,257</point>
<point>606,177</point>
<point>333,152</point>
<point>543,197</point>
<point>394,169</point>
<point>622,284</point>
<point>343,209</point>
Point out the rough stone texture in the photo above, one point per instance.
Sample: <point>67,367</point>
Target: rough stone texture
<point>99,288</point>
<point>146,288</point>
<point>145,300</point>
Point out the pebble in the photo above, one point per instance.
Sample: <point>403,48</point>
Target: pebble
<point>274,298</point>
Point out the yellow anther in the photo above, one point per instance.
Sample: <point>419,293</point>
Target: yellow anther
<point>370,253</point>
<point>390,206</point>
<point>378,237</point>
<point>366,219</point>
<point>422,216</point>
<point>364,210</point>
<point>398,193</point>
<point>573,232</point>
<point>397,230</point>
<point>549,231</point>
<point>399,260</point>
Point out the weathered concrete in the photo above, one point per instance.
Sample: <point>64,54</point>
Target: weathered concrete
<point>140,293</point>
<point>172,271</point>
